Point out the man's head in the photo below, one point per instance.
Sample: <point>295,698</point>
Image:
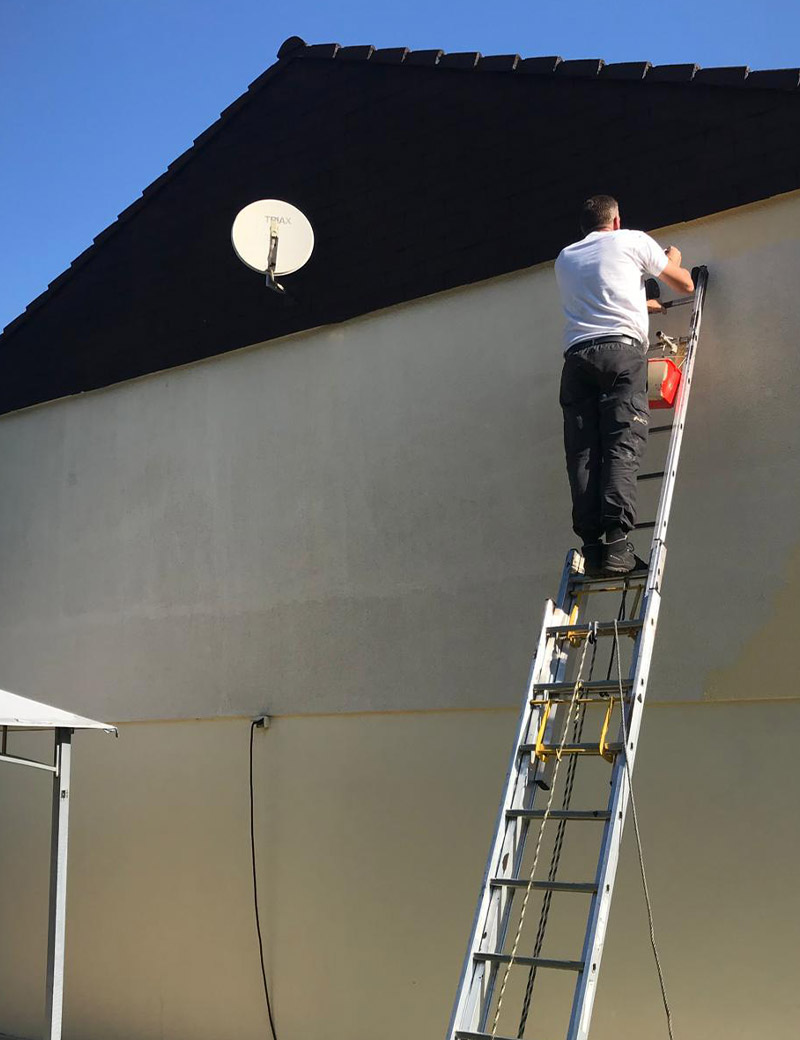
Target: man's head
<point>600,213</point>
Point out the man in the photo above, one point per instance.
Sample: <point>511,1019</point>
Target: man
<point>601,279</point>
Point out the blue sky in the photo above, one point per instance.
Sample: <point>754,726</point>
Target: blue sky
<point>98,96</point>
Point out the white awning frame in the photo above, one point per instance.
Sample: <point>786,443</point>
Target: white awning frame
<point>20,713</point>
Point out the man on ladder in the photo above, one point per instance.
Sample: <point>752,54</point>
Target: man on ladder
<point>601,279</point>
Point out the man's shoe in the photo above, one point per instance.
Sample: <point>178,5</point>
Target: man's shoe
<point>592,559</point>
<point>619,557</point>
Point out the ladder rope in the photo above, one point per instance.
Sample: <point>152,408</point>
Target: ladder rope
<point>642,870</point>
<point>577,732</point>
<point>562,825</point>
<point>545,817</point>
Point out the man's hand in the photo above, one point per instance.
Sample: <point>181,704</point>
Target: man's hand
<point>655,307</point>
<point>675,276</point>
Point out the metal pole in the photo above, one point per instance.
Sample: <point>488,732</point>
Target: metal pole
<point>58,884</point>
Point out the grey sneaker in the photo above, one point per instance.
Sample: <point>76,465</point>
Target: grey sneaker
<point>619,557</point>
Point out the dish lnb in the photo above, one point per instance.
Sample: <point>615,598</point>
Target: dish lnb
<point>272,237</point>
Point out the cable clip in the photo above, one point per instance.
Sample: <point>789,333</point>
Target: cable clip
<point>592,636</point>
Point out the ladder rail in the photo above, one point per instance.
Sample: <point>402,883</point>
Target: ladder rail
<point>594,941</point>
<point>586,987</point>
<point>681,406</point>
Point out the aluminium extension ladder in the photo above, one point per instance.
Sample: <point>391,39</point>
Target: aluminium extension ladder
<point>559,695</point>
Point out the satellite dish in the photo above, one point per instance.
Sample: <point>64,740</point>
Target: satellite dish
<point>272,237</point>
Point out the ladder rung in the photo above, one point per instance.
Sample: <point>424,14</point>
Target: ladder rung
<point>559,814</point>
<point>529,962</point>
<point>644,525</point>
<point>547,886</point>
<point>461,1035</point>
<point>660,429</point>
<point>609,582</point>
<point>603,628</point>
<point>682,301</point>
<point>575,749</point>
<point>651,476</point>
<point>600,686</point>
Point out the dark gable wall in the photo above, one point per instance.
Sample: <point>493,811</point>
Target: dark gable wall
<point>415,178</point>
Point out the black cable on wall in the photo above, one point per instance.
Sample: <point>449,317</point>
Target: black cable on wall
<point>256,724</point>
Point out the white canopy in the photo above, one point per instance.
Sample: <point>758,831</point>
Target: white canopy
<point>19,713</point>
<point>22,713</point>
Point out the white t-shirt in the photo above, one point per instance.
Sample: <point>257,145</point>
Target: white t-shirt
<point>601,280</point>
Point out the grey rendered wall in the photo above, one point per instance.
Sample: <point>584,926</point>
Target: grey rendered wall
<point>372,836</point>
<point>369,516</point>
<point>349,519</point>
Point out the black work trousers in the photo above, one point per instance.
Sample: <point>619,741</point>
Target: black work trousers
<point>606,415</point>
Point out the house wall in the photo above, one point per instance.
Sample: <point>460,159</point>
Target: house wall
<point>372,833</point>
<point>355,529</point>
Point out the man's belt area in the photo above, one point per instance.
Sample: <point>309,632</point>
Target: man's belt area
<point>630,341</point>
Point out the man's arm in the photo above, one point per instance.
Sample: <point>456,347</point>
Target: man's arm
<point>675,276</point>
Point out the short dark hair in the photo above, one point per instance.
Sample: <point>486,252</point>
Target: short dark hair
<point>598,212</point>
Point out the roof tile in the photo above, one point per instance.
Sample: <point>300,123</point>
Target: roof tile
<point>20,318</point>
<point>131,210</point>
<point>390,55</point>
<point>672,73</point>
<point>729,76</point>
<point>460,60</point>
<point>539,66</point>
<point>498,63</point>
<point>236,105</point>
<point>625,70</point>
<point>182,159</point>
<point>206,134</point>
<point>82,258</point>
<point>319,50</point>
<point>291,46</point>
<point>104,234</point>
<point>37,301</point>
<point>780,79</point>
<point>583,67</point>
<point>423,57</point>
<point>363,53</point>
<point>56,282</point>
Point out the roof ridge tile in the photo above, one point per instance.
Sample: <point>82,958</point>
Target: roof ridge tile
<point>429,57</point>
<point>723,75</point>
<point>460,59</point>
<point>358,53</point>
<point>625,70</point>
<point>580,67</point>
<point>774,79</point>
<point>289,47</point>
<point>317,50</point>
<point>672,73</point>
<point>539,66</point>
<point>390,55</point>
<point>498,62</point>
